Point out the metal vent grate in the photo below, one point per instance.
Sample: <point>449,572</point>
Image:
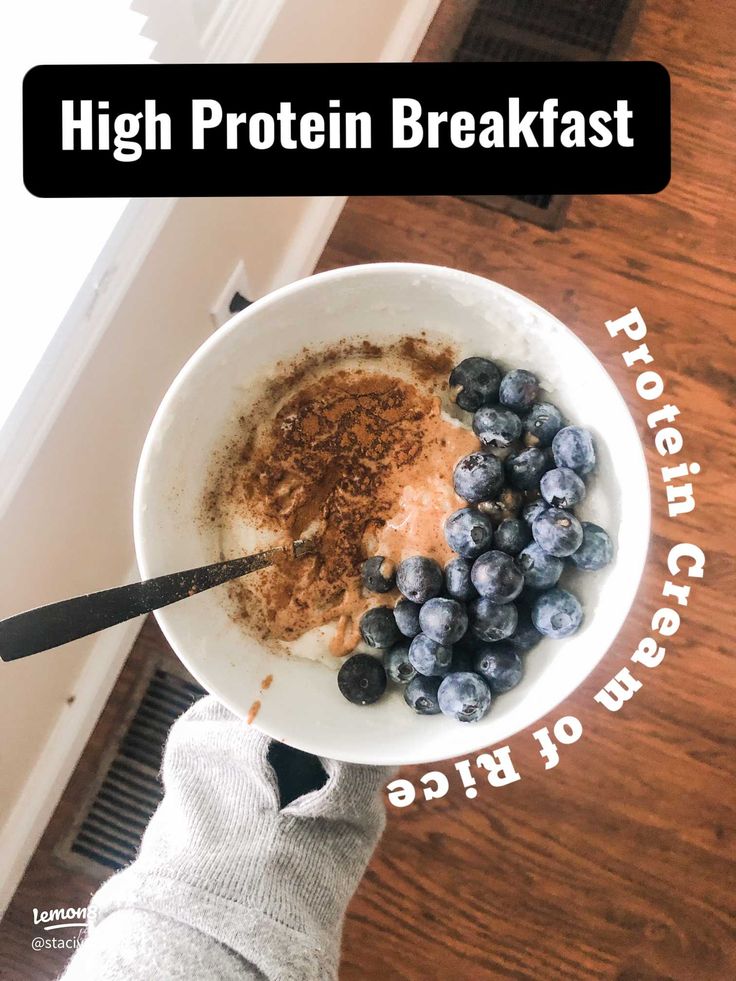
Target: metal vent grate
<point>537,30</point>
<point>480,44</point>
<point>589,24</point>
<point>129,790</point>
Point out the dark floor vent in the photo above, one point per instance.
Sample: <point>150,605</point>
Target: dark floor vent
<point>537,30</point>
<point>482,44</point>
<point>544,31</point>
<point>111,823</point>
<point>505,49</point>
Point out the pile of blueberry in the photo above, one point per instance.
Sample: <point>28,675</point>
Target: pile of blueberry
<point>457,636</point>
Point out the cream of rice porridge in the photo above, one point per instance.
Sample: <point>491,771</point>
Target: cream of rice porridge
<point>349,446</point>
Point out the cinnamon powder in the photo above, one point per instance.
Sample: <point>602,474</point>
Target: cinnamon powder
<point>356,458</point>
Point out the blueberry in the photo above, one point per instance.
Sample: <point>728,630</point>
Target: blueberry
<point>526,636</point>
<point>533,509</point>
<point>524,470</point>
<point>419,578</point>
<point>457,580</point>
<point>519,390</point>
<point>540,569</point>
<point>573,448</point>
<point>468,532</point>
<point>476,381</point>
<point>464,696</point>
<point>421,695</point>
<point>478,477</point>
<point>500,665</point>
<point>512,535</point>
<point>557,613</point>
<point>378,574</point>
<point>558,532</point>
<point>406,615</point>
<point>397,664</point>
<point>428,657</point>
<point>497,577</point>
<point>361,679</point>
<point>378,627</point>
<point>543,423</point>
<point>562,488</point>
<point>496,426</point>
<point>443,620</point>
<point>491,621</point>
<point>596,549</point>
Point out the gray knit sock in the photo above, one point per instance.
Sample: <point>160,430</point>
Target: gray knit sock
<point>221,859</point>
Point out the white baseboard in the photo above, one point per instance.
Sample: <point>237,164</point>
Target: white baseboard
<point>308,241</point>
<point>45,784</point>
<point>411,26</point>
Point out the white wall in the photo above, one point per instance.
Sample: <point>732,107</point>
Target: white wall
<point>66,527</point>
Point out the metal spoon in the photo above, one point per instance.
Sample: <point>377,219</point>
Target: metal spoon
<point>50,626</point>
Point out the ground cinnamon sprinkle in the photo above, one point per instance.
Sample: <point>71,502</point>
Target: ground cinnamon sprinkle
<point>347,451</point>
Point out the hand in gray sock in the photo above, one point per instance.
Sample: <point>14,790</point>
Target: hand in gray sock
<point>227,884</point>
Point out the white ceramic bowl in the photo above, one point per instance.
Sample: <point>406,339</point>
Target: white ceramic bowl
<point>303,706</point>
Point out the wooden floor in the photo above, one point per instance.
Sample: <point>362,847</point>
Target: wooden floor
<point>620,862</point>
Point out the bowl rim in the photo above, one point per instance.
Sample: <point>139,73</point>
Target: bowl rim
<point>638,558</point>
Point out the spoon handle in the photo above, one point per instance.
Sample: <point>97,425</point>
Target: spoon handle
<point>50,626</point>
